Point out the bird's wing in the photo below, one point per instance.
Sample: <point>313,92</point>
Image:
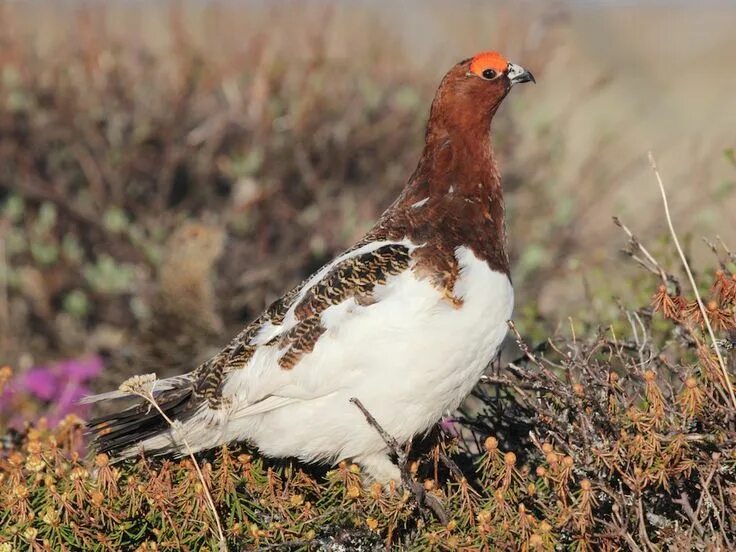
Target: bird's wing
<point>261,364</point>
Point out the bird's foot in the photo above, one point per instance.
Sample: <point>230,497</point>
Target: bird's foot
<point>382,468</point>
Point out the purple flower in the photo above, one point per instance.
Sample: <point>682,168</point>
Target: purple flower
<point>449,426</point>
<point>81,369</point>
<point>41,382</point>
<point>60,385</point>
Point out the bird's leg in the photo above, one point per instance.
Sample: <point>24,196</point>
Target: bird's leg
<point>402,456</point>
<point>379,467</point>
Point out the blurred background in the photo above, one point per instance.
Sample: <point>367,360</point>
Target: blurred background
<point>169,168</point>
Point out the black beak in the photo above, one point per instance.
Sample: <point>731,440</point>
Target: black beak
<point>517,74</point>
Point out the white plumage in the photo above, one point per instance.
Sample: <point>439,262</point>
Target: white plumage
<point>405,322</point>
<point>411,342</point>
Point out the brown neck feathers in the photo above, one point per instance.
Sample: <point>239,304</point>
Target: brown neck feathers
<point>454,197</point>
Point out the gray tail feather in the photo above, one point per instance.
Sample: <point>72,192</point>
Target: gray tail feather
<point>122,429</point>
<point>161,385</point>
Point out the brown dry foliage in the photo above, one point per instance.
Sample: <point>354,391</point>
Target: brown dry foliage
<point>614,438</point>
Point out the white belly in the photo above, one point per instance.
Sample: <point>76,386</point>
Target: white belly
<point>409,358</point>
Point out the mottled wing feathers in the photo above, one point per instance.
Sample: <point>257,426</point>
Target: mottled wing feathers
<point>353,277</point>
<point>294,324</point>
<point>298,341</point>
<point>208,377</point>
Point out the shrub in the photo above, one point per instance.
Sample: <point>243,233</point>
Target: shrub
<point>607,438</point>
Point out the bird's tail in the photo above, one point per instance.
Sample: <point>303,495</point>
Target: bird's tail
<point>125,431</point>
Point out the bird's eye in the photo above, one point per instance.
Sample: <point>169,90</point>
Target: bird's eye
<point>488,74</point>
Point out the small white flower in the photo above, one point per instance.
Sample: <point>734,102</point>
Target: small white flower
<point>139,385</point>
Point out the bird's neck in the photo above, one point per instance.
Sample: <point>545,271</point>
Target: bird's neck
<point>455,192</point>
<point>456,159</point>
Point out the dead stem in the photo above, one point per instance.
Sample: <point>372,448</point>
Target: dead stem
<point>422,498</point>
<point>726,377</point>
<point>143,387</point>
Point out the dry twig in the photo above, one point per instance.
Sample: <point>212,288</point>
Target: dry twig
<point>142,386</point>
<point>420,495</point>
<point>726,377</point>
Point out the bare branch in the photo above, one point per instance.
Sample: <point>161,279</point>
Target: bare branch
<point>706,320</point>
<point>143,387</point>
<point>422,498</point>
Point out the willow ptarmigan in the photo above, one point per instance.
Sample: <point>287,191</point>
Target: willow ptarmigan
<point>405,321</point>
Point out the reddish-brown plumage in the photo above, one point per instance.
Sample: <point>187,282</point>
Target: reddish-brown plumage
<point>458,178</point>
<point>452,200</point>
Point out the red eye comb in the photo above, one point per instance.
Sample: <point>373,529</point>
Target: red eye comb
<point>488,60</point>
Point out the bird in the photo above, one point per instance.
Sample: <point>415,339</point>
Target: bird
<point>405,321</point>
<point>183,324</point>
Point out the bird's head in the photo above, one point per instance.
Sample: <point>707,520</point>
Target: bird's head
<point>474,88</point>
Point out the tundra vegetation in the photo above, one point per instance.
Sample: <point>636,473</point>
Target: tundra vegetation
<point>153,200</point>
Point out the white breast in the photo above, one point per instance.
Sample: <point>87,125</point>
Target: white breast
<point>409,358</point>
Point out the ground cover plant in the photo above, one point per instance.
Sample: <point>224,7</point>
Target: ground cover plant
<point>151,202</point>
<point>613,437</point>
